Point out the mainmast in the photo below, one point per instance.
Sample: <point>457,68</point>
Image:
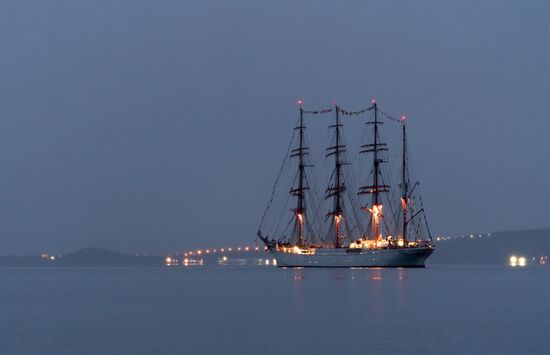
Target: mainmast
<point>336,189</point>
<point>377,186</point>
<point>404,182</point>
<point>300,152</point>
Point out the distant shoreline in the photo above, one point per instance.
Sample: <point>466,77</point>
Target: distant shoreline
<point>487,249</point>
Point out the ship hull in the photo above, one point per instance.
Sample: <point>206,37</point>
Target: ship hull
<point>400,257</point>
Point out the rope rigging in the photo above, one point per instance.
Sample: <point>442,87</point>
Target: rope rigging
<point>314,230</point>
<point>273,190</point>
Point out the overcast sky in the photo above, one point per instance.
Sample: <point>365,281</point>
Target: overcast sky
<point>154,126</point>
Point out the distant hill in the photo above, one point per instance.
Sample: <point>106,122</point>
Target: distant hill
<point>83,257</point>
<point>493,249</point>
<point>106,257</point>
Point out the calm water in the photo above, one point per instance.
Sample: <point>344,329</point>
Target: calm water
<point>265,310</point>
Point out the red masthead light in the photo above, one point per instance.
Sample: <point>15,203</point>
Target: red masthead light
<point>403,118</point>
<point>300,102</point>
<point>373,100</point>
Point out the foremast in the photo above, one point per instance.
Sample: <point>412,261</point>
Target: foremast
<point>337,186</point>
<point>377,186</point>
<point>299,191</point>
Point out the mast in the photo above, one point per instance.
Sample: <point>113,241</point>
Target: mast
<point>376,163</point>
<point>377,186</point>
<point>375,176</point>
<point>335,191</point>
<point>300,152</point>
<point>404,183</point>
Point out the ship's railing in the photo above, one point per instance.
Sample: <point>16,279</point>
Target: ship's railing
<point>295,250</point>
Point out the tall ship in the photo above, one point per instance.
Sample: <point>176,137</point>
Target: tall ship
<point>362,216</point>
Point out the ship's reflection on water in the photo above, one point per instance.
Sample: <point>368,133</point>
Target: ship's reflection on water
<point>371,275</point>
<point>368,290</point>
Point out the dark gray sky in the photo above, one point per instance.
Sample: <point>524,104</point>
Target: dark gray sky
<point>160,125</point>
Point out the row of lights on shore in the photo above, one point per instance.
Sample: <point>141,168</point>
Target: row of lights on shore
<point>521,261</point>
<point>471,236</point>
<point>200,252</point>
<point>169,261</point>
<point>49,257</point>
<point>188,257</point>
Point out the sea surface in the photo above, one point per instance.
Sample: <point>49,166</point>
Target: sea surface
<point>269,310</point>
